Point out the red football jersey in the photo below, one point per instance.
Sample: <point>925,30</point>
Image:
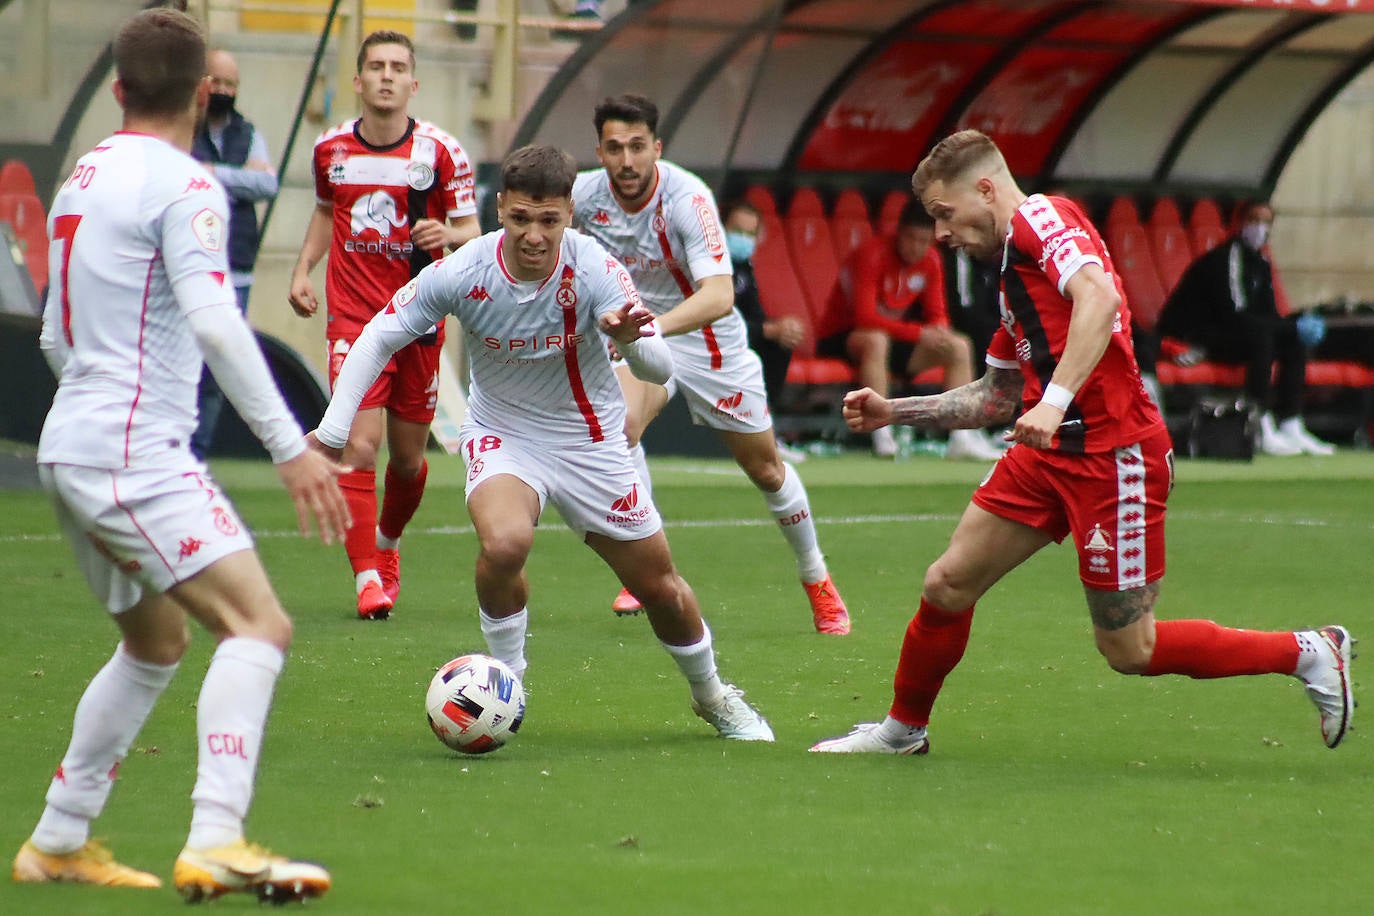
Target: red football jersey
<point>378,194</point>
<point>1049,241</point>
<point>877,289</point>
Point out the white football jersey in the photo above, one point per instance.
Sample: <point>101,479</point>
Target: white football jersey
<point>671,243</point>
<point>539,365</point>
<point>139,240</point>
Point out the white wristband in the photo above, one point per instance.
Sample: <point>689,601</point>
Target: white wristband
<point>1057,396</point>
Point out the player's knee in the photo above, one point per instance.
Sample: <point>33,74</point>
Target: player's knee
<point>1125,656</point>
<point>506,552</point>
<point>944,588</point>
<point>767,473</point>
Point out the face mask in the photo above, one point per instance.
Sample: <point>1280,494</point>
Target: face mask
<point>741,246</point>
<point>1255,235</point>
<point>220,104</point>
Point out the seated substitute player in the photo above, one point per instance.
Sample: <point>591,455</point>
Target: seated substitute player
<point>140,292</point>
<point>888,317</point>
<point>660,220</point>
<point>1091,457</point>
<point>546,418</point>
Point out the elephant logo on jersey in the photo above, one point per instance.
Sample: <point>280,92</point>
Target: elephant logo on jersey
<point>375,211</point>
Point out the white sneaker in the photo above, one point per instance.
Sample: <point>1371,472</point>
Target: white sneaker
<point>1273,441</point>
<point>971,445</point>
<point>791,455</point>
<point>867,739</point>
<point>1327,682</point>
<point>1295,432</point>
<point>884,443</point>
<point>733,717</point>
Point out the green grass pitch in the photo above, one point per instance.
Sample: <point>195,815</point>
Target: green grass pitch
<point>1054,786</point>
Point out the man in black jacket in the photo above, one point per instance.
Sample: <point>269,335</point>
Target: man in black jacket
<point>1225,305</point>
<point>236,154</point>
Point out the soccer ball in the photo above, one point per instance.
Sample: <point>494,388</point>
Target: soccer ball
<point>475,704</point>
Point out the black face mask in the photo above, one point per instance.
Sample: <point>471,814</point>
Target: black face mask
<point>220,105</point>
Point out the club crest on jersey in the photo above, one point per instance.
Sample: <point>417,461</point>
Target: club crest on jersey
<point>660,224</point>
<point>419,175</point>
<point>209,229</point>
<point>376,211</point>
<point>566,295</point>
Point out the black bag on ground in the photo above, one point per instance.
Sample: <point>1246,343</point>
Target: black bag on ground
<point>1222,429</point>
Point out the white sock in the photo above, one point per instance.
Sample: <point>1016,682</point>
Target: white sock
<point>364,577</point>
<point>792,510</point>
<point>896,733</point>
<point>230,716</point>
<point>697,663</point>
<point>505,638</point>
<point>646,483</point>
<point>1293,426</point>
<point>386,543</point>
<point>108,718</point>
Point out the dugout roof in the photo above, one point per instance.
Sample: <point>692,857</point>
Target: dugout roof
<point>1165,94</point>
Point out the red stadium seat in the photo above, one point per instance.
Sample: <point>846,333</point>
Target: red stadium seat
<point>1169,243</point>
<point>850,226</point>
<point>15,178</point>
<point>25,213</point>
<point>1122,212</point>
<point>762,200</point>
<point>1130,250</point>
<point>813,250</point>
<point>1206,228</point>
<point>891,211</point>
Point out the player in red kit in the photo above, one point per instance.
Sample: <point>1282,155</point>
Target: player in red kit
<point>392,193</point>
<point>1091,458</point>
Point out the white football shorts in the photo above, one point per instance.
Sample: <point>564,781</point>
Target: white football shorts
<point>731,398</point>
<point>594,487</point>
<point>148,528</point>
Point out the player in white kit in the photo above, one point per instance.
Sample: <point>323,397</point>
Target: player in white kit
<point>660,220</point>
<point>141,288</point>
<point>546,418</point>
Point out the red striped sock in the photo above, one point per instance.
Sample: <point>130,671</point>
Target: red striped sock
<point>401,499</point>
<point>1203,649</point>
<point>934,643</point>
<point>360,541</point>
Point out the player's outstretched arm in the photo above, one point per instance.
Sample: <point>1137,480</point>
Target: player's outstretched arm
<point>637,339</point>
<point>311,479</point>
<point>985,401</point>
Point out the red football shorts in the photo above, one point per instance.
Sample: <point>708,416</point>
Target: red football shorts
<point>408,386</point>
<point>1113,503</point>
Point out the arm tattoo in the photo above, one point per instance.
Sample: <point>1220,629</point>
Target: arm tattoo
<point>1117,610</point>
<point>986,401</point>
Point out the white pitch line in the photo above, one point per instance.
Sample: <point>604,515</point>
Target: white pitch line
<point>553,521</point>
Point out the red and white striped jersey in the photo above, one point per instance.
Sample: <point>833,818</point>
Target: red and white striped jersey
<point>669,245</point>
<point>1048,241</point>
<point>539,366</point>
<point>378,194</point>
<point>139,240</point>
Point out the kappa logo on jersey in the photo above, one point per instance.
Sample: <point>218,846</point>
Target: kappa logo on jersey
<point>601,217</point>
<point>189,547</point>
<point>478,294</point>
<point>710,226</point>
<point>376,211</point>
<point>196,184</point>
<point>209,229</point>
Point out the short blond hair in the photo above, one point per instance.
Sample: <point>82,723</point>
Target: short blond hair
<point>954,157</point>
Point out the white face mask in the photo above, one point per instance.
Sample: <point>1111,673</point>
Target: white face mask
<point>1255,234</point>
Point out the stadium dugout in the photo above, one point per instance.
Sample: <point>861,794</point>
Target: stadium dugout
<point>1200,102</point>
